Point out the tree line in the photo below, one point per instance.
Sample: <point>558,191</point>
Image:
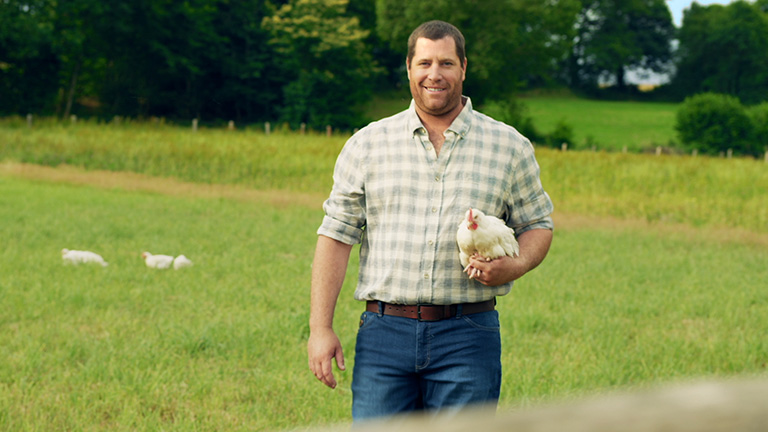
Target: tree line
<point>316,61</point>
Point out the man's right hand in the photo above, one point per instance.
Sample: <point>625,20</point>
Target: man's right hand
<point>323,346</point>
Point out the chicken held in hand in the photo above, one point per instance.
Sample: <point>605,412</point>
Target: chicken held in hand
<point>486,236</point>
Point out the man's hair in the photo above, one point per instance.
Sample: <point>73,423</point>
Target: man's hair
<point>436,30</point>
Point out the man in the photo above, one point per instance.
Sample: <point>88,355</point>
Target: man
<point>429,337</point>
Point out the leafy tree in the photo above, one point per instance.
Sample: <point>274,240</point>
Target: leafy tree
<point>78,50</point>
<point>321,52</point>
<point>617,35</point>
<point>27,58</point>
<point>724,49</point>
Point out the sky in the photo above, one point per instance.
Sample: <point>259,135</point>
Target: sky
<point>677,6</point>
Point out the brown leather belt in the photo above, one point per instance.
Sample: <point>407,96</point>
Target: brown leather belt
<point>430,312</point>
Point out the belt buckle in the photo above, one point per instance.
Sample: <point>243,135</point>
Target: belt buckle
<point>419,317</point>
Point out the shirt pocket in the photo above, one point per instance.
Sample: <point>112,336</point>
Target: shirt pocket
<point>482,190</point>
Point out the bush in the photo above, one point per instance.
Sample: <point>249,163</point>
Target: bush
<point>714,123</point>
<point>759,116</point>
<point>562,134</point>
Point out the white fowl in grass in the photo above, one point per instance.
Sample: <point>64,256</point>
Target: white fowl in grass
<point>487,236</point>
<point>157,261</point>
<point>180,262</point>
<point>76,257</point>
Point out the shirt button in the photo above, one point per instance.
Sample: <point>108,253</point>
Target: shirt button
<point>437,178</point>
<point>430,242</point>
<point>434,209</point>
<point>426,276</point>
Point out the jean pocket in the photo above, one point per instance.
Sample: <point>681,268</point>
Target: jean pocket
<point>367,319</point>
<point>488,321</point>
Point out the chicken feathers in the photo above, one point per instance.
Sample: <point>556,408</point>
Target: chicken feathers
<point>487,236</point>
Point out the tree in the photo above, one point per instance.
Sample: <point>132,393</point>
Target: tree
<point>28,63</point>
<point>321,52</point>
<point>724,49</point>
<point>615,36</point>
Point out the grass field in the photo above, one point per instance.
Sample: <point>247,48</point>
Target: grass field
<point>220,346</point>
<point>608,125</point>
<point>657,273</point>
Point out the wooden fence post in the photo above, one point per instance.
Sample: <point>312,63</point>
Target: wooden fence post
<point>29,120</point>
<point>231,125</point>
<point>303,128</point>
<point>730,153</point>
<point>328,130</point>
<point>267,128</point>
<point>564,147</point>
<point>194,125</point>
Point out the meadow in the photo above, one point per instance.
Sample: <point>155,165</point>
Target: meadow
<point>657,274</point>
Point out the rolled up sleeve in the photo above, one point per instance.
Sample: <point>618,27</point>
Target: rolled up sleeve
<point>345,211</point>
<point>531,207</point>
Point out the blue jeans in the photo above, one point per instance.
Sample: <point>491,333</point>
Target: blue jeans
<point>403,364</point>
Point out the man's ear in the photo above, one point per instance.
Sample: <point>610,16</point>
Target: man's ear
<point>464,69</point>
<point>408,68</point>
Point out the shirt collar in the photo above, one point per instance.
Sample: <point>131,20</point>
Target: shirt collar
<point>460,126</point>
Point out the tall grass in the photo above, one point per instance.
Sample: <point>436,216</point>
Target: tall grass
<point>674,189</point>
<point>248,157</point>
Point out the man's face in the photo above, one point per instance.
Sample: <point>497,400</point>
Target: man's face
<point>436,75</point>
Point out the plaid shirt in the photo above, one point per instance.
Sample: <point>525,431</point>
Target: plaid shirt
<point>403,203</point>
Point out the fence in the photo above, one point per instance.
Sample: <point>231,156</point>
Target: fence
<point>329,132</point>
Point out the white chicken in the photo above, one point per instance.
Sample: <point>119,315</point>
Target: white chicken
<point>180,262</point>
<point>157,261</point>
<point>487,236</point>
<point>76,257</point>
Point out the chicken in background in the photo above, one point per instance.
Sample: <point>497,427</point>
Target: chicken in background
<point>165,261</point>
<point>76,257</point>
<point>157,261</point>
<point>486,236</point>
<point>180,262</point>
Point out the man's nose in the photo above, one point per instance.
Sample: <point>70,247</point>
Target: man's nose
<point>434,73</point>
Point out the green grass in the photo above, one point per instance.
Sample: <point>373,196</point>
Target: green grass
<point>221,345</point>
<point>607,125</point>
<point>700,191</point>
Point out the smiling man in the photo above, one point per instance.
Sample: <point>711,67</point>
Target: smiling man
<point>429,336</point>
